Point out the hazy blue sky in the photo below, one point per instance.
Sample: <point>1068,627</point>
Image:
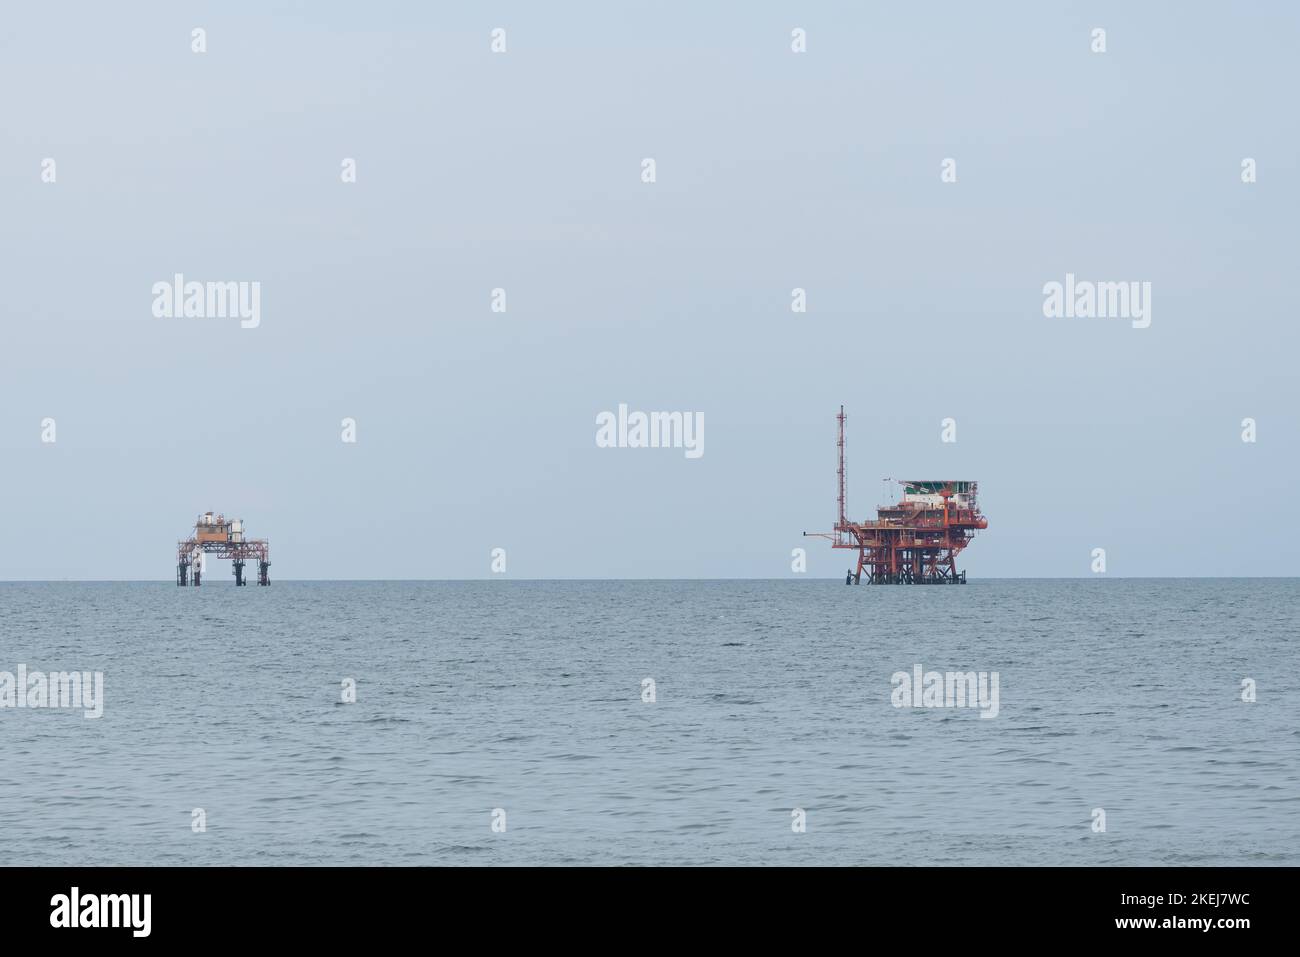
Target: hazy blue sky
<point>774,170</point>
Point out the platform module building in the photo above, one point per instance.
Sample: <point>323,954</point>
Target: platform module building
<point>916,540</point>
<point>222,538</point>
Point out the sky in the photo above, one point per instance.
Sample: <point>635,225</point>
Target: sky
<point>523,171</point>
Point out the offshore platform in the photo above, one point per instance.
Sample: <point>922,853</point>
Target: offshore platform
<point>223,538</point>
<point>915,541</point>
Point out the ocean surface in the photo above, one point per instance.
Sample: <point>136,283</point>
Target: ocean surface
<point>1116,694</point>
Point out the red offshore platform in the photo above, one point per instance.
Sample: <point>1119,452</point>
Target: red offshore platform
<point>224,538</point>
<point>913,542</point>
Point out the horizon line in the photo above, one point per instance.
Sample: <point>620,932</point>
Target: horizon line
<point>787,578</point>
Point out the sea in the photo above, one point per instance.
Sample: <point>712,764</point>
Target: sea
<point>1137,722</point>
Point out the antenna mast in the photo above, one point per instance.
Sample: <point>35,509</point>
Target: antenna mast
<point>843,519</point>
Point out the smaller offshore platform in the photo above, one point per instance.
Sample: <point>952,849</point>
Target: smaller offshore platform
<point>222,538</point>
<point>915,541</point>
